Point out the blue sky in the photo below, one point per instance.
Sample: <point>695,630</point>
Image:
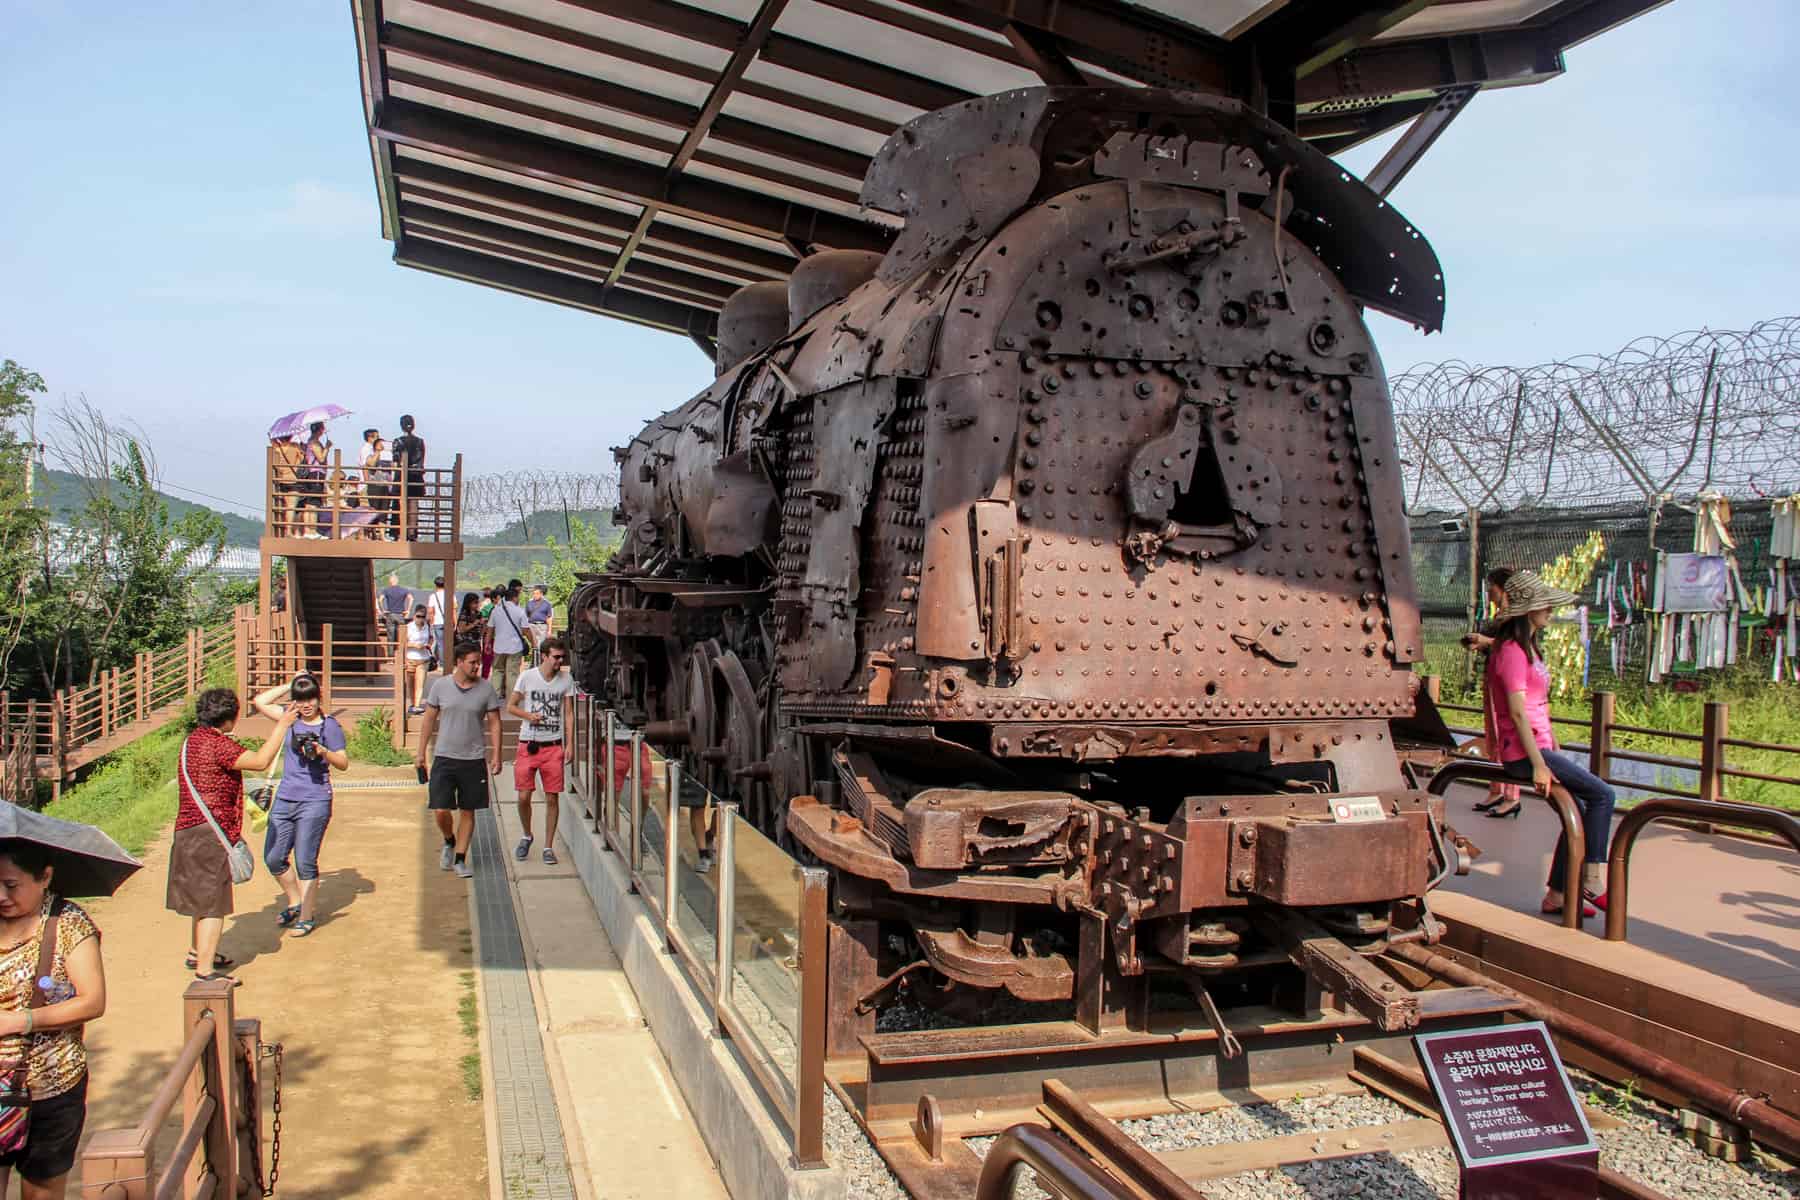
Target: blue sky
<point>190,238</point>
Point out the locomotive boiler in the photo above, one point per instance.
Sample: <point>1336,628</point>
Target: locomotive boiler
<point>1047,578</point>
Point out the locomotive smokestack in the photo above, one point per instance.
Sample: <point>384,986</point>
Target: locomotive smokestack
<point>825,278</point>
<point>753,319</point>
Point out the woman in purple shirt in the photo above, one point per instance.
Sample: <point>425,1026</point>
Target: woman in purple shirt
<point>314,747</point>
<point>1518,704</point>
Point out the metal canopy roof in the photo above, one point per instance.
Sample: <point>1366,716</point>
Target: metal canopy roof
<point>645,158</point>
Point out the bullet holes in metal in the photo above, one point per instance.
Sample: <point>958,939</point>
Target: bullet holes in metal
<point>1141,307</point>
<point>1233,313</point>
<point>1187,300</point>
<point>1323,338</point>
<point>1092,288</point>
<point>1049,316</point>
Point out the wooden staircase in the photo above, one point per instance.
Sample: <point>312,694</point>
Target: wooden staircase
<point>339,592</point>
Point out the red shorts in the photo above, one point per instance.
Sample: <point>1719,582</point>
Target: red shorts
<point>622,762</point>
<point>543,758</point>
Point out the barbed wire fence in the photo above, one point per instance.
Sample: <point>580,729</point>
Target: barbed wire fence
<point>536,502</point>
<point>1516,466</point>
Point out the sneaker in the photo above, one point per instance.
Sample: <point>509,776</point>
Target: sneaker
<point>549,857</point>
<point>415,710</point>
<point>703,863</point>
<point>523,848</point>
<point>447,857</point>
<point>464,870</point>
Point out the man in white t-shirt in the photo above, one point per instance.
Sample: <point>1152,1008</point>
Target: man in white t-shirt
<point>507,623</point>
<point>436,610</point>
<point>540,699</point>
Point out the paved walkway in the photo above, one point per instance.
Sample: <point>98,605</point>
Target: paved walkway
<point>627,1132</point>
<point>374,1102</point>
<point>1722,904</point>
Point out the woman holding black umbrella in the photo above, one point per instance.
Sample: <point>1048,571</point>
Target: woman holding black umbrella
<point>213,762</point>
<point>52,983</point>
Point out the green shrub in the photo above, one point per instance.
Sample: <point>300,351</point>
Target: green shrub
<point>372,741</point>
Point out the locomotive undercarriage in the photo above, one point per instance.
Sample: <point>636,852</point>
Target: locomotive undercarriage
<point>1081,868</point>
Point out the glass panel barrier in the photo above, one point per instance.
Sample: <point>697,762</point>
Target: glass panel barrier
<point>764,991</point>
<point>652,831</point>
<point>697,878</point>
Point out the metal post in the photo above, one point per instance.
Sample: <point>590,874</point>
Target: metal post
<point>1712,750</point>
<point>809,1084</point>
<point>725,911</point>
<point>671,854</point>
<point>609,807</point>
<point>1600,734</point>
<point>636,854</point>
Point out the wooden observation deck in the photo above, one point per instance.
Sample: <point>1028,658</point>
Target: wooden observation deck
<point>331,526</point>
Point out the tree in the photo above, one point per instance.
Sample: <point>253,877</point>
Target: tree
<point>120,577</point>
<point>22,527</point>
<point>587,551</point>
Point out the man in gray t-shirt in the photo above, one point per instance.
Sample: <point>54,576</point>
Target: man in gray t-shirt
<point>464,713</point>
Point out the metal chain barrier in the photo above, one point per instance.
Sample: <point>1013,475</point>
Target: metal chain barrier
<point>266,1051</point>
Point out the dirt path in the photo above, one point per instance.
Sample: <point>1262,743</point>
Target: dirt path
<point>375,1104</point>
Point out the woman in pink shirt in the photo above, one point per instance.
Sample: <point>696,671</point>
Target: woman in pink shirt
<point>1518,706</point>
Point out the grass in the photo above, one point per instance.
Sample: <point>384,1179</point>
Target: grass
<point>372,741</point>
<point>1759,711</point>
<point>469,1014</point>
<point>129,794</point>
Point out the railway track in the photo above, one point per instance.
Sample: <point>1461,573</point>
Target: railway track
<point>1164,1114</point>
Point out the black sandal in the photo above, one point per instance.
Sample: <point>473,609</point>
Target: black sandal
<point>213,976</point>
<point>220,962</point>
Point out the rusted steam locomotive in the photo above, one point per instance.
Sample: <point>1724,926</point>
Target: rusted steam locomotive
<point>1048,577</point>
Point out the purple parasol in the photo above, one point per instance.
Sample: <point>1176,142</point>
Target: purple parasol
<point>296,423</point>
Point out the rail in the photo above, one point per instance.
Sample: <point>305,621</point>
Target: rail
<point>777,1021</point>
<point>1574,840</point>
<point>1618,866</point>
<point>333,502</point>
<point>216,1077</point>
<point>77,725</point>
<point>1059,1163</point>
<point>1712,769</point>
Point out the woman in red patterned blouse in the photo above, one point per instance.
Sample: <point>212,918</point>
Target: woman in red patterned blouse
<point>199,872</point>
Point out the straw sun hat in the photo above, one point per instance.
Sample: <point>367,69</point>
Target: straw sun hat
<point>1527,593</point>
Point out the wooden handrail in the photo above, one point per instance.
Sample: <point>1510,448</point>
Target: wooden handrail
<point>120,1164</point>
<point>169,1091</point>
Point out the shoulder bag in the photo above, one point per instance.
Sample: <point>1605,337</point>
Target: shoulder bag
<point>238,853</point>
<point>526,637</point>
<point>15,1084</point>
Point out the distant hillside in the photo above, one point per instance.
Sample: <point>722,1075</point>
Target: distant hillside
<point>547,523</point>
<point>65,494</point>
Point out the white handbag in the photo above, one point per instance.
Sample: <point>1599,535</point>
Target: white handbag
<point>238,854</point>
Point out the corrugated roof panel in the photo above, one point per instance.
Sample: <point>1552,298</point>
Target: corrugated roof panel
<point>901,49</point>
<point>654,155</point>
<point>1467,16</point>
<point>515,179</point>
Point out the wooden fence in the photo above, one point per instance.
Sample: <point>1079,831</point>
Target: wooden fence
<point>217,1077</point>
<point>78,725</point>
<point>1603,732</point>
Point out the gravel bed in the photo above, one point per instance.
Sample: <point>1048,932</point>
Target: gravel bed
<point>1644,1148</point>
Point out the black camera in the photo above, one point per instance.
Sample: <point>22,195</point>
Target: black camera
<point>306,745</point>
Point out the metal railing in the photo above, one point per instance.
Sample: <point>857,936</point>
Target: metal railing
<point>758,966</point>
<point>216,1078</point>
<point>1574,839</point>
<point>1785,825</point>
<point>334,502</point>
